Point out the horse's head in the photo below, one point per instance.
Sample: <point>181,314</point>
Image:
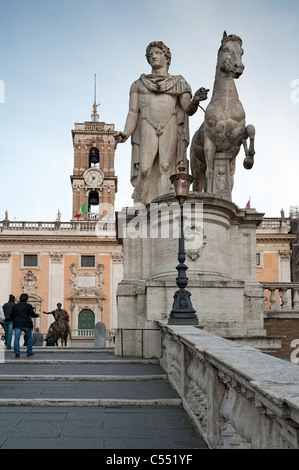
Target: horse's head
<point>230,55</point>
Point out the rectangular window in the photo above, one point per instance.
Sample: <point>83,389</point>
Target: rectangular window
<point>258,259</point>
<point>87,261</point>
<point>30,261</point>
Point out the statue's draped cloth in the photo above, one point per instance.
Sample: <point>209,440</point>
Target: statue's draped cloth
<point>174,85</point>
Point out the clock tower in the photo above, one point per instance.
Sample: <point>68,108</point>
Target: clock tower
<point>93,179</point>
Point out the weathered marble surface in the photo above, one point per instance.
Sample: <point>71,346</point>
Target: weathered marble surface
<point>159,107</point>
<point>239,397</point>
<point>216,144</point>
<point>100,335</point>
<point>221,271</point>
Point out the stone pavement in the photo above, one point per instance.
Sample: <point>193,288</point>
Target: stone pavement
<point>63,398</point>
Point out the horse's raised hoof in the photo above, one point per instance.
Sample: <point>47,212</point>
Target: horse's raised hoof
<point>248,162</point>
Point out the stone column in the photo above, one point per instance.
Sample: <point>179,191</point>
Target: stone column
<point>116,274</point>
<point>5,276</point>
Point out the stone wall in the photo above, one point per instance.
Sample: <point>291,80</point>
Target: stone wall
<point>238,397</point>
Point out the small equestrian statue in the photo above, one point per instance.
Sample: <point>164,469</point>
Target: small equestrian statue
<point>60,328</point>
<point>217,142</point>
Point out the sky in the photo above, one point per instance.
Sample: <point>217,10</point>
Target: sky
<point>51,50</point>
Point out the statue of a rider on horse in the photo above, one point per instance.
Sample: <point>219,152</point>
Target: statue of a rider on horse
<point>60,328</point>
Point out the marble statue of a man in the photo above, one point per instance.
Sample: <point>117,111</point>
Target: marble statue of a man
<point>159,107</point>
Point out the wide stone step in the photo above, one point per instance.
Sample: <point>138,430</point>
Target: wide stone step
<point>110,428</point>
<point>82,378</point>
<point>87,389</point>
<point>79,369</point>
<point>85,377</point>
<point>80,399</point>
<point>58,355</point>
<point>86,402</point>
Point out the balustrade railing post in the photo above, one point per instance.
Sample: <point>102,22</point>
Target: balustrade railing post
<point>296,299</point>
<point>273,299</point>
<point>284,299</point>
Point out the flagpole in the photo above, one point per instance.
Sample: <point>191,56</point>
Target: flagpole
<point>87,213</point>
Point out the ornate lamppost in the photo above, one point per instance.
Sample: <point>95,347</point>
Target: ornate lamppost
<point>182,312</point>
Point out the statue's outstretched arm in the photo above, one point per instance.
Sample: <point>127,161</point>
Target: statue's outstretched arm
<point>191,106</point>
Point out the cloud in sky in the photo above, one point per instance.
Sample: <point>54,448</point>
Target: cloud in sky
<point>51,51</point>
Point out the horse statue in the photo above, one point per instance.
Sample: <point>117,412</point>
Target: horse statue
<point>223,130</point>
<point>59,332</point>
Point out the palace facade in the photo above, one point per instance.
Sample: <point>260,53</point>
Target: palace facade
<point>77,263</point>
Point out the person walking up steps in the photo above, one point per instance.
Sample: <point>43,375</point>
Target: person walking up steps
<point>7,308</point>
<point>21,315</point>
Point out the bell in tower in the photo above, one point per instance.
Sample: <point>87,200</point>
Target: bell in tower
<point>93,199</point>
<point>94,158</point>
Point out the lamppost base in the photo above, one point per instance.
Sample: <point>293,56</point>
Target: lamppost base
<point>183,319</point>
<point>182,312</point>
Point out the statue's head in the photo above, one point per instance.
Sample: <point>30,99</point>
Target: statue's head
<point>163,47</point>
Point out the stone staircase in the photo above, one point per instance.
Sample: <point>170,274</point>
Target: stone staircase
<point>90,398</point>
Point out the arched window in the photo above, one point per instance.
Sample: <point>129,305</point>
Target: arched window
<point>94,158</point>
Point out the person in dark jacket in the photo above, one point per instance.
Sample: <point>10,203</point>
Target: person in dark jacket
<point>21,315</point>
<point>8,327</point>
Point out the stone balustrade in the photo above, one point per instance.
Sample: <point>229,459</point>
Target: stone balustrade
<point>276,224</point>
<point>101,227</point>
<point>86,333</point>
<point>238,397</point>
<point>287,292</point>
<point>94,126</point>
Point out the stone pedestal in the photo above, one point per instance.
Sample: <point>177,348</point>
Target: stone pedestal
<point>222,179</point>
<point>220,245</point>
<point>100,335</point>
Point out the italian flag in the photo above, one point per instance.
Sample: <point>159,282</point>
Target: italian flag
<point>83,210</point>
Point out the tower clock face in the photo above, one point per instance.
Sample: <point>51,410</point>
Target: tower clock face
<point>93,178</point>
